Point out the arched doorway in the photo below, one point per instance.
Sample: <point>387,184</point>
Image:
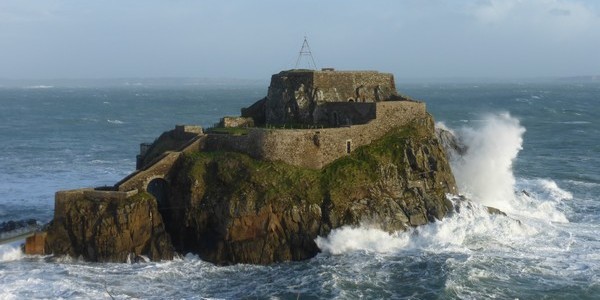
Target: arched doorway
<point>159,188</point>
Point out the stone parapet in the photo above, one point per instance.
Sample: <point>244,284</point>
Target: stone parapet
<point>315,148</point>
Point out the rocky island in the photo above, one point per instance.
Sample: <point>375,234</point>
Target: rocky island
<point>324,149</point>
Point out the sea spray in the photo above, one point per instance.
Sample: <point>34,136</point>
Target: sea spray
<point>347,239</point>
<point>484,173</point>
<point>470,227</point>
<point>10,252</point>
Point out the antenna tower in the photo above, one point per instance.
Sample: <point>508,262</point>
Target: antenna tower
<point>306,53</point>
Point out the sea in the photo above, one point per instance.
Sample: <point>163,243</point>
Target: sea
<point>533,152</point>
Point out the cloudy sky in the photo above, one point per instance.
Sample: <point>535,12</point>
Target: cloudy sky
<point>253,39</point>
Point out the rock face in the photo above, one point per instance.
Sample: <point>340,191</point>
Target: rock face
<point>230,208</point>
<point>453,146</point>
<point>110,230</point>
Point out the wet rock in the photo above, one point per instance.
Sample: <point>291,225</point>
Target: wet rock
<point>495,211</point>
<point>452,144</point>
<point>110,230</point>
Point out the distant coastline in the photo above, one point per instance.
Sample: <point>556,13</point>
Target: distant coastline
<point>182,82</point>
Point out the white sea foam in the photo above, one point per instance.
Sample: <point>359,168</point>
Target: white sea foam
<point>484,173</point>
<point>115,121</point>
<point>10,252</point>
<point>473,228</point>
<point>442,125</point>
<point>574,122</point>
<point>40,87</point>
<point>348,239</point>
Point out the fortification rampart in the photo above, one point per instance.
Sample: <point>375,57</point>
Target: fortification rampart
<point>293,95</point>
<point>160,167</point>
<point>315,148</point>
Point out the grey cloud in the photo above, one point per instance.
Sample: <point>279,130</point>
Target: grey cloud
<point>560,12</point>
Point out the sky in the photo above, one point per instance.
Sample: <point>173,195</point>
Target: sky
<point>254,39</point>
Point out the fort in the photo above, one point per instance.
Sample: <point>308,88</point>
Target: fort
<point>308,120</point>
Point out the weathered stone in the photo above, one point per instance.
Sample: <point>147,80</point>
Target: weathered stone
<point>36,244</point>
<point>103,230</point>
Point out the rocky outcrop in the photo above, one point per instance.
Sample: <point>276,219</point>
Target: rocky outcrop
<point>453,146</point>
<point>358,154</point>
<point>230,208</point>
<point>114,230</point>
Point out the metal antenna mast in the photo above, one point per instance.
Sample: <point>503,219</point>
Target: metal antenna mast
<point>305,52</point>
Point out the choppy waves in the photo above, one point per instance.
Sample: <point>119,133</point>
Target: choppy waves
<point>547,245</point>
<point>534,242</point>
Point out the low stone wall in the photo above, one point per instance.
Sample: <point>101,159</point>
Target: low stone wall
<point>233,122</point>
<point>315,148</point>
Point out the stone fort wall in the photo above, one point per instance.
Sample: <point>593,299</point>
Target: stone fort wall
<point>294,94</point>
<point>315,148</point>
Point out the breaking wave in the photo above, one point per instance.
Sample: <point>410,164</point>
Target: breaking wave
<point>39,87</point>
<point>473,228</point>
<point>484,173</point>
<point>10,252</point>
<point>485,176</point>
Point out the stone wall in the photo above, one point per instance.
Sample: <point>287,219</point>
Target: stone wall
<point>293,95</point>
<point>334,114</point>
<point>315,148</point>
<point>363,86</point>
<point>231,122</point>
<point>160,167</point>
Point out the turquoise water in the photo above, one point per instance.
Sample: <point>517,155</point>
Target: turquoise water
<point>540,138</point>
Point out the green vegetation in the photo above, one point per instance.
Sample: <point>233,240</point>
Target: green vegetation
<point>255,182</point>
<point>252,181</point>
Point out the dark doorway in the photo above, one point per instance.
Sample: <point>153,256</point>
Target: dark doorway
<point>159,188</point>
<point>336,122</point>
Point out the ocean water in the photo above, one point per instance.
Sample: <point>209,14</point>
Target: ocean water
<point>534,153</point>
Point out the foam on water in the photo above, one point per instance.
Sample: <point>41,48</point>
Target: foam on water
<point>10,252</point>
<point>534,242</point>
<point>472,227</point>
<point>348,239</point>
